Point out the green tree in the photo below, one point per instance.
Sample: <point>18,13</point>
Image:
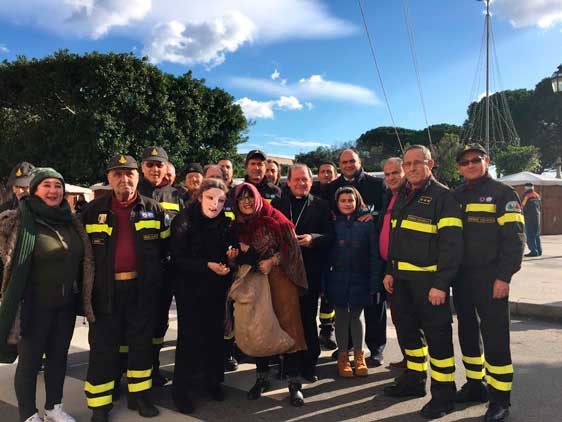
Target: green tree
<point>517,159</point>
<point>74,112</point>
<point>444,153</point>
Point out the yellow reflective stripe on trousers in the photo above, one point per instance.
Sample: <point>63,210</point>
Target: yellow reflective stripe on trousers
<point>96,389</point>
<point>123,349</point>
<point>511,217</point>
<point>439,376</point>
<point>229,214</point>
<point>327,315</point>
<point>158,340</point>
<point>99,228</point>
<point>417,353</point>
<point>449,222</point>
<point>131,373</point>
<point>499,370</point>
<point>140,386</point>
<point>481,208</point>
<point>475,375</point>
<point>415,366</point>
<point>99,401</point>
<point>418,227</point>
<point>406,266</point>
<point>499,385</point>
<point>393,223</point>
<point>443,363</point>
<point>478,360</point>
<point>165,234</point>
<point>170,206</point>
<point>147,224</point>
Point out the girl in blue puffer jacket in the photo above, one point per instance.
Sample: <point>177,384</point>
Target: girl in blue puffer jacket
<point>353,276</point>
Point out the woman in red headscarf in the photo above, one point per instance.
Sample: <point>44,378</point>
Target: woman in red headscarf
<point>271,247</point>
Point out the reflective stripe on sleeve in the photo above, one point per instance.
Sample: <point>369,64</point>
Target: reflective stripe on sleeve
<point>147,224</point>
<point>406,266</point>
<point>166,233</point>
<point>170,206</point>
<point>418,227</point>
<point>99,228</point>
<point>449,222</point>
<point>511,217</point>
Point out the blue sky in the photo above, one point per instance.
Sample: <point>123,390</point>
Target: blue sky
<point>302,68</point>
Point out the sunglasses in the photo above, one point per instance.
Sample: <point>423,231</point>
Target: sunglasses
<point>475,160</point>
<point>151,164</point>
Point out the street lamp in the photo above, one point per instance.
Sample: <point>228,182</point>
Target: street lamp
<point>556,80</point>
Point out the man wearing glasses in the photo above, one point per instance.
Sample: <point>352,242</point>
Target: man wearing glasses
<point>425,253</point>
<point>154,184</point>
<point>493,250</point>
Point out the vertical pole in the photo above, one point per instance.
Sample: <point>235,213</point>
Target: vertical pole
<point>488,76</point>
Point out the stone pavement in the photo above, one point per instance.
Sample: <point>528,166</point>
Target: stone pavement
<point>536,290</point>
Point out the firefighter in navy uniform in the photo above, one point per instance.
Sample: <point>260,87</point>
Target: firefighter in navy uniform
<point>126,230</point>
<point>424,256</point>
<point>493,249</point>
<point>255,174</point>
<point>154,166</point>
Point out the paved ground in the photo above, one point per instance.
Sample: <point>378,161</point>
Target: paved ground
<point>536,348</point>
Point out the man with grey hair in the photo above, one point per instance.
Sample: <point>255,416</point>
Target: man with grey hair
<point>394,177</point>
<point>214,171</point>
<point>425,253</point>
<point>313,225</point>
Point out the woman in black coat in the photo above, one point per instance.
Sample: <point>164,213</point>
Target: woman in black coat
<point>200,249</point>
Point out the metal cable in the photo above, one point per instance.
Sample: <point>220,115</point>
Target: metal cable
<point>379,74</point>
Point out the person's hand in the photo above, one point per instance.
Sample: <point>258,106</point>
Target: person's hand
<point>501,289</point>
<point>232,253</point>
<point>365,217</point>
<point>388,283</point>
<point>437,297</point>
<point>219,269</point>
<point>243,247</point>
<point>266,265</point>
<point>304,240</point>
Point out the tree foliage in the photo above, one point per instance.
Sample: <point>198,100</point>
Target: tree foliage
<point>516,159</point>
<point>74,112</point>
<point>444,153</point>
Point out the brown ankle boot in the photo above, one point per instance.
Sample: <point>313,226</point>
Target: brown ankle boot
<point>344,367</point>
<point>361,369</point>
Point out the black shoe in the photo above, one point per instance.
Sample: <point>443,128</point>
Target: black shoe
<point>310,376</point>
<point>406,385</point>
<point>159,380</point>
<point>100,415</point>
<point>260,387</point>
<point>531,254</point>
<point>230,364</point>
<point>374,361</point>
<point>295,394</point>
<point>435,409</point>
<point>497,413</point>
<point>183,403</point>
<point>217,392</point>
<point>326,342</point>
<point>472,391</point>
<point>141,403</point>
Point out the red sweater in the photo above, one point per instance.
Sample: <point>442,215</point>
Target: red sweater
<point>125,259</point>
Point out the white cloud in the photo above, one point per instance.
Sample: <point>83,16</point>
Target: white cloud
<point>265,109</point>
<point>275,74</point>
<point>289,103</point>
<point>4,49</point>
<point>541,13</point>
<point>205,42</point>
<point>296,143</point>
<point>314,87</point>
<point>187,32</point>
<point>256,109</point>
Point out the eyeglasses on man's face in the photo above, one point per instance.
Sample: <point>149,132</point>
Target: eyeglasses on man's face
<point>475,160</point>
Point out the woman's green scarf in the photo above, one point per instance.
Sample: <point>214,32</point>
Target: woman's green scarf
<point>31,208</point>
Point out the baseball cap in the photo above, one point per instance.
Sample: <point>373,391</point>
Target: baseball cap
<point>123,162</point>
<point>470,147</point>
<point>21,174</point>
<point>155,153</point>
<point>255,153</point>
<point>194,168</point>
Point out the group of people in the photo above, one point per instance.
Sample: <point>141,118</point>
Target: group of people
<point>350,242</point>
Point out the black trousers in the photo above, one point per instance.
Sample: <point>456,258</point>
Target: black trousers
<point>481,317</point>
<point>327,316</point>
<point>375,327</point>
<point>132,320</point>
<point>164,298</point>
<point>309,311</point>
<point>414,311</point>
<point>291,362</point>
<point>200,346</point>
<point>47,331</point>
